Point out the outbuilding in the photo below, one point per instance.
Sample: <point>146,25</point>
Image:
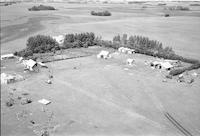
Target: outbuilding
<point>104,54</point>
<point>130,61</point>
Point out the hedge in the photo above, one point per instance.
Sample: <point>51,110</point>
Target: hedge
<point>103,13</point>
<point>41,7</point>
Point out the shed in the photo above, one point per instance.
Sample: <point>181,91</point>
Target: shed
<point>130,61</point>
<point>104,54</point>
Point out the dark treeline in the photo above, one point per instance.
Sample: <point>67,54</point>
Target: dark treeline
<point>177,8</point>
<point>101,13</point>
<point>41,7</point>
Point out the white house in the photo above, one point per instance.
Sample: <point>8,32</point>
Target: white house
<point>130,61</point>
<point>104,54</point>
<point>7,56</point>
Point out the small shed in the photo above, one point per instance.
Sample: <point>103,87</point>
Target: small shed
<point>104,54</point>
<point>130,61</point>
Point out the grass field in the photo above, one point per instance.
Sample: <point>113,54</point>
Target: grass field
<point>90,96</point>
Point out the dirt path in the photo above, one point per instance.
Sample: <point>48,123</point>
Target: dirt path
<point>128,112</point>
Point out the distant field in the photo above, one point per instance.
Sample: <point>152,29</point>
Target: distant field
<point>181,30</point>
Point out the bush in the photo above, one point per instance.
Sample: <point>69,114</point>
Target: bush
<point>41,7</point>
<point>162,4</point>
<point>38,44</point>
<point>177,8</point>
<point>167,15</point>
<point>103,13</point>
<point>194,4</point>
<point>24,53</point>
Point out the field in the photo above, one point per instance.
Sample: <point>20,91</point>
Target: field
<point>91,96</point>
<point>180,31</point>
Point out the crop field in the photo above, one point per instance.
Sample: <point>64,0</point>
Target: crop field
<point>181,30</point>
<point>101,97</point>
